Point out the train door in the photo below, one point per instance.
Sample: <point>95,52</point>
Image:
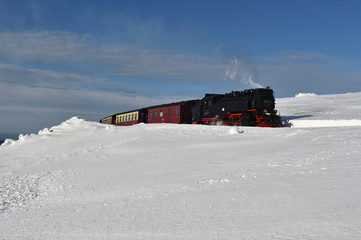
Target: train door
<point>167,115</point>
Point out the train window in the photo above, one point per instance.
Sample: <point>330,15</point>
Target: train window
<point>132,117</point>
<point>150,114</point>
<point>176,112</point>
<point>136,116</point>
<point>169,111</point>
<point>155,113</point>
<point>161,113</point>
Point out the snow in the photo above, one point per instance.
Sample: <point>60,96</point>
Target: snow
<point>305,94</point>
<point>85,180</point>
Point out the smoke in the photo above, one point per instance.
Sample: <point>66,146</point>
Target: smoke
<point>238,70</point>
<point>232,69</point>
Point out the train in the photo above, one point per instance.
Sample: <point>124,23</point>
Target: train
<point>251,107</point>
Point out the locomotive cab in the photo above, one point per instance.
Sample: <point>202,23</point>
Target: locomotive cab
<point>263,99</point>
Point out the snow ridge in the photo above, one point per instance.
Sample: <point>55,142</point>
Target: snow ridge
<point>324,123</point>
<point>71,124</point>
<point>305,94</point>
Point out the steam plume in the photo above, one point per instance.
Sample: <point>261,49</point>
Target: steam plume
<point>237,70</point>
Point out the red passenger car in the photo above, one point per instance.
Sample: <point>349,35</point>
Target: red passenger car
<point>171,113</point>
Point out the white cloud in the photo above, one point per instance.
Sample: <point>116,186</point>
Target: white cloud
<point>14,74</point>
<point>130,60</point>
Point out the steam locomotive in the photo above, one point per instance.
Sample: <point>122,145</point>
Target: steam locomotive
<point>252,107</point>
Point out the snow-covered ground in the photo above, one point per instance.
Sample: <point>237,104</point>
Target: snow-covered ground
<point>84,180</point>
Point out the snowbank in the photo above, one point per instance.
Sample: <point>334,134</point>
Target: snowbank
<point>324,123</point>
<point>305,94</point>
<point>72,124</point>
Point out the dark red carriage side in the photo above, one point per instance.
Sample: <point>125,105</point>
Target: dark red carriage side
<point>179,112</point>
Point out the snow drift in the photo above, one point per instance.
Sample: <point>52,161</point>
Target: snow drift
<point>85,180</point>
<point>305,94</point>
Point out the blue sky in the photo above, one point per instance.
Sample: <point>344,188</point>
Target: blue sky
<point>60,59</point>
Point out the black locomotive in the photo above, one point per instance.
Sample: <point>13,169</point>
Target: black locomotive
<point>252,107</point>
